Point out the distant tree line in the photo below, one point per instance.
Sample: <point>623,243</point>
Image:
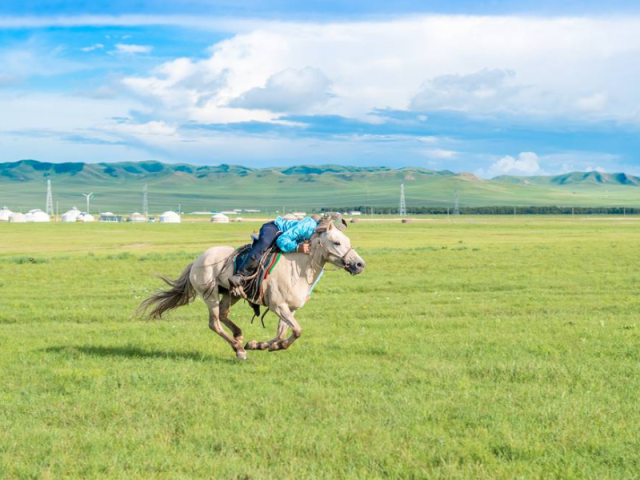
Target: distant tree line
<point>496,210</point>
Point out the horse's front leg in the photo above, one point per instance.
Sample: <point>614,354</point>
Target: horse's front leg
<point>282,331</point>
<point>286,315</point>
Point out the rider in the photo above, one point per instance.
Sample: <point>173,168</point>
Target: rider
<point>289,235</point>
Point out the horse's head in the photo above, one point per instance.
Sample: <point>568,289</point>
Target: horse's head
<point>337,246</point>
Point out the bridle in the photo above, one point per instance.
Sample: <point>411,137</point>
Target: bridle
<point>345,264</point>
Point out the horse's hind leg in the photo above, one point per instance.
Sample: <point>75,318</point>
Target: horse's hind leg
<point>214,324</point>
<point>225,306</point>
<point>286,315</point>
<point>282,331</point>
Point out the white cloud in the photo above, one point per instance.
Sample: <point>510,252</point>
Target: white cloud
<point>439,153</point>
<point>596,169</point>
<point>218,24</point>
<point>91,48</point>
<point>592,103</point>
<point>480,91</point>
<point>130,48</point>
<point>425,62</point>
<point>287,91</point>
<point>8,80</point>
<point>527,163</point>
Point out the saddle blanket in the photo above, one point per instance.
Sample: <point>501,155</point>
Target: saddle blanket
<point>253,287</point>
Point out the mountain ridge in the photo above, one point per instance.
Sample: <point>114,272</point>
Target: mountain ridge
<point>118,186</point>
<point>30,169</point>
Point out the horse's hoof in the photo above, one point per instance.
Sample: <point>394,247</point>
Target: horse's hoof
<point>252,345</point>
<point>241,355</point>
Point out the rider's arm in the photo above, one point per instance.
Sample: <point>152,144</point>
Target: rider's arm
<point>286,242</point>
<point>289,240</point>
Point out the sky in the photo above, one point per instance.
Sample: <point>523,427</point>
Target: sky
<point>489,87</point>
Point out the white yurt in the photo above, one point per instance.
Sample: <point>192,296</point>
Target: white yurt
<point>219,218</point>
<point>137,217</point>
<point>37,216</point>
<point>85,217</point>
<point>169,217</point>
<point>108,217</point>
<point>290,216</point>
<point>71,215</point>
<point>5,213</point>
<point>17,218</point>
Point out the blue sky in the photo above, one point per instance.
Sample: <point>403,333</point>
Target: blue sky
<point>489,87</point>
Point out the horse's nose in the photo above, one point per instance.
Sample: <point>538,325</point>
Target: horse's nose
<point>360,265</point>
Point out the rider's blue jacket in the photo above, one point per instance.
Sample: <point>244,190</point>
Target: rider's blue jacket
<point>294,232</point>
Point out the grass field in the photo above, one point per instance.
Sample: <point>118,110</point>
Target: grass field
<point>493,348</point>
<point>24,188</point>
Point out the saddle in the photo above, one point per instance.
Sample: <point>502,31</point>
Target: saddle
<point>252,289</point>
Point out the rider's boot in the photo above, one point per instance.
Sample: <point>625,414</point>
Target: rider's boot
<point>249,267</point>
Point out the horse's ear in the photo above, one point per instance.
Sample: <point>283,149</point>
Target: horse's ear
<point>344,223</point>
<point>322,227</point>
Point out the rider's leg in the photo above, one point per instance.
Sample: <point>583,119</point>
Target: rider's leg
<point>268,235</point>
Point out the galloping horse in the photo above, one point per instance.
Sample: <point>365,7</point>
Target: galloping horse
<point>285,290</point>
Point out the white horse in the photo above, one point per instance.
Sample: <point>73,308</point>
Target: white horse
<point>285,290</point>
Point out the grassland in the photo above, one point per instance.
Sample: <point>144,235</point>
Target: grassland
<point>485,348</point>
<point>118,188</point>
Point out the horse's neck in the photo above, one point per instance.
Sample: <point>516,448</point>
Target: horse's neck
<point>312,264</point>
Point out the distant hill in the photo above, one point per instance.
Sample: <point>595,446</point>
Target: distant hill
<point>118,187</point>
<point>574,178</point>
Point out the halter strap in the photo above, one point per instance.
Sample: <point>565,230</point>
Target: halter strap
<point>346,264</point>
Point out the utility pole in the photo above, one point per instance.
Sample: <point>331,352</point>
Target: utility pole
<point>49,208</point>
<point>145,201</point>
<point>456,204</point>
<point>403,207</point>
<point>88,197</point>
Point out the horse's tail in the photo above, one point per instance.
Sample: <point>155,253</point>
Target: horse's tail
<point>181,293</point>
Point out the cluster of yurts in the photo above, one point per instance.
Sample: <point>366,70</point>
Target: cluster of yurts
<point>75,215</point>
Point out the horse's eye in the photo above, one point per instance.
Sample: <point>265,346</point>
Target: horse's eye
<point>337,244</point>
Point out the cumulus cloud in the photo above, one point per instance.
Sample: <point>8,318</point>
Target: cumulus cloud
<point>287,91</point>
<point>527,163</point>
<point>485,90</point>
<point>132,49</point>
<point>596,169</point>
<point>425,63</point>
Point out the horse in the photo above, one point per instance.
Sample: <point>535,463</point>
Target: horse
<point>284,291</point>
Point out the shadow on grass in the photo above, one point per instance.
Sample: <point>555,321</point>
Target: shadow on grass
<point>136,352</point>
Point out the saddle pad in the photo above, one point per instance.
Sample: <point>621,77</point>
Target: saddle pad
<point>253,287</point>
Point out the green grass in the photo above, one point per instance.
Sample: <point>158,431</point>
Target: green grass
<point>492,348</point>
<point>270,190</point>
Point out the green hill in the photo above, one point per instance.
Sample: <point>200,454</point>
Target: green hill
<point>118,187</point>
